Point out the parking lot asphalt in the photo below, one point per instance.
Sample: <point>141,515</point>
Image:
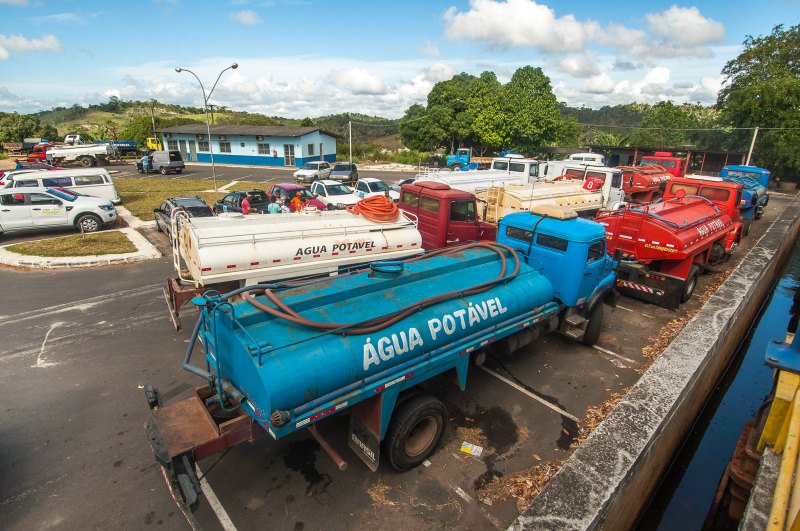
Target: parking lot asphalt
<point>78,346</point>
<point>247,174</point>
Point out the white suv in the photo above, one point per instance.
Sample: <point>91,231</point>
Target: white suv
<point>313,171</point>
<point>39,208</point>
<point>334,194</point>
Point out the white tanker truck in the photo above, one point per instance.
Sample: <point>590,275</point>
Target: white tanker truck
<point>229,251</point>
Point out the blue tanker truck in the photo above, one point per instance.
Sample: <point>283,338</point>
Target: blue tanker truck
<point>279,358</point>
<point>754,183</point>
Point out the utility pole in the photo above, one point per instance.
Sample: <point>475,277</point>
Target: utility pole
<point>153,121</point>
<point>752,145</point>
<point>350,135</point>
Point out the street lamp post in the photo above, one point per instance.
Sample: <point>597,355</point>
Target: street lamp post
<point>234,66</point>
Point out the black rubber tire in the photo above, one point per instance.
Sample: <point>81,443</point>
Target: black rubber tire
<point>690,284</point>
<point>746,227</point>
<point>178,170</point>
<point>422,420</point>
<point>86,162</point>
<point>158,226</point>
<point>89,223</point>
<point>163,170</point>
<point>595,325</point>
<point>455,167</point>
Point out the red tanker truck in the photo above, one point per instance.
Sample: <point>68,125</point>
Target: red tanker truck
<point>665,245</point>
<point>643,184</point>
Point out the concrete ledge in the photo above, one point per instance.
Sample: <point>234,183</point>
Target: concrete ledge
<point>132,221</point>
<point>607,481</point>
<point>145,251</point>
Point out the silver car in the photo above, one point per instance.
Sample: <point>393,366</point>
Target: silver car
<point>313,171</point>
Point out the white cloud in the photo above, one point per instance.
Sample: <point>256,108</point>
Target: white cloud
<point>599,84</point>
<point>657,76</point>
<point>439,71</point>
<point>685,27</point>
<point>358,81</point>
<point>516,23</point>
<point>579,66</point>
<point>430,49</point>
<point>18,43</point>
<point>246,17</point>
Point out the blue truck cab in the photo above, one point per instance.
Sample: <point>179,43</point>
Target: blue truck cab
<point>571,252</point>
<point>754,183</point>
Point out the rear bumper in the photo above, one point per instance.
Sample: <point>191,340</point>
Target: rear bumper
<point>640,283</point>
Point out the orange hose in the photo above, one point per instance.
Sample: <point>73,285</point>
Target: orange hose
<point>376,208</point>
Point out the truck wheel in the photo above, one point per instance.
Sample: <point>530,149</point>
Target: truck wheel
<point>88,223</point>
<point>455,167</point>
<point>595,325</point>
<point>746,227</point>
<point>163,170</point>
<point>86,161</point>
<point>415,431</point>
<point>690,283</point>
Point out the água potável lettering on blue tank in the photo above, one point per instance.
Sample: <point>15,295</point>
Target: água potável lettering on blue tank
<point>387,347</point>
<point>336,248</point>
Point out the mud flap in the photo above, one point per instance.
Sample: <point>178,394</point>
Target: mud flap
<point>365,428</point>
<point>657,288</point>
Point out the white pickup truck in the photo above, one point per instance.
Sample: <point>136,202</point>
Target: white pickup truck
<point>26,209</point>
<point>503,171</point>
<point>86,154</point>
<point>229,251</point>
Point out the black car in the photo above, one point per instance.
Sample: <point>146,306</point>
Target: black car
<point>194,207</point>
<point>259,201</point>
<point>345,172</point>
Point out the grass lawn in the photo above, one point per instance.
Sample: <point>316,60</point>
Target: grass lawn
<point>141,195</point>
<point>111,242</point>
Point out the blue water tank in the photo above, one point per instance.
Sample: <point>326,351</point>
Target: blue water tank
<point>280,365</point>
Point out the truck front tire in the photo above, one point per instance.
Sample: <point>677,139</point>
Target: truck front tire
<point>163,170</point>
<point>88,223</point>
<point>455,167</point>
<point>86,162</point>
<point>595,325</point>
<point>415,431</point>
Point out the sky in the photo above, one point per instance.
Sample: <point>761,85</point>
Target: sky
<point>301,58</point>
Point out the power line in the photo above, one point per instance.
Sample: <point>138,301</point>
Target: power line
<point>724,129</point>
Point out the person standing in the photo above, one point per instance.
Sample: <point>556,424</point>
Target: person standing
<point>299,202</point>
<point>245,205</point>
<point>273,207</point>
<point>286,207</point>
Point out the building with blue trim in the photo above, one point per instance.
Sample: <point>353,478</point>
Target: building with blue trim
<point>251,144</point>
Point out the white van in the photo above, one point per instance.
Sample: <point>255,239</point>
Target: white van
<point>89,181</point>
<point>43,208</point>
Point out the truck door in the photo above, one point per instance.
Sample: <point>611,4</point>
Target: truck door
<point>47,210</point>
<point>15,213</point>
<point>612,190</point>
<point>462,224</point>
<point>594,272</point>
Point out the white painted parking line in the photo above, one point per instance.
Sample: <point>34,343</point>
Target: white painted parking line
<point>528,393</point>
<point>619,356</point>
<point>464,496</point>
<point>621,307</point>
<point>222,515</point>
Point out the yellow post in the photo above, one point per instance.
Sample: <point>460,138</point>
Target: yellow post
<point>777,421</point>
<point>783,485</point>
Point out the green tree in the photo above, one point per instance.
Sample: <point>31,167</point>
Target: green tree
<point>490,124</point>
<point>307,122</point>
<point>415,129</point>
<point>762,89</point>
<point>661,123</point>
<point>532,110</point>
<point>450,122</point>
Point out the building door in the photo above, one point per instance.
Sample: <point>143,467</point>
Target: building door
<point>288,154</point>
<point>182,148</point>
<point>192,155</point>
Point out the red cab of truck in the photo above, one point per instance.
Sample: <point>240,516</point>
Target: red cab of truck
<point>665,245</point>
<point>445,216</point>
<point>39,152</point>
<point>667,160</point>
<point>643,184</point>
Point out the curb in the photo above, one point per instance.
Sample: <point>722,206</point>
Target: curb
<point>146,251</point>
<point>132,221</point>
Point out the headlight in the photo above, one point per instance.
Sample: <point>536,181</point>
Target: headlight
<point>108,207</point>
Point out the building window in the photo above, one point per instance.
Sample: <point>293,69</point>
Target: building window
<point>172,145</point>
<point>202,146</point>
<point>311,150</point>
<point>263,149</point>
<point>224,147</point>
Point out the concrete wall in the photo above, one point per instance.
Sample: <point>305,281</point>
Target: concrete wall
<point>607,481</point>
<point>244,149</point>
